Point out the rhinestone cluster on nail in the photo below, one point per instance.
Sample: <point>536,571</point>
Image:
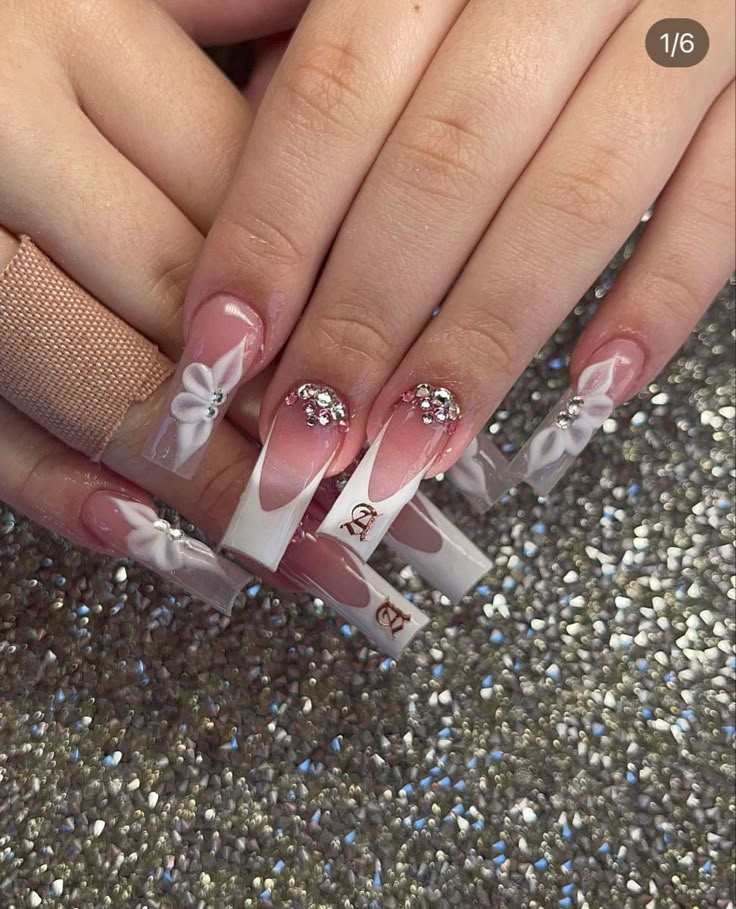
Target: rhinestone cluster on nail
<point>322,405</point>
<point>171,532</point>
<point>218,398</point>
<point>436,405</point>
<point>565,418</point>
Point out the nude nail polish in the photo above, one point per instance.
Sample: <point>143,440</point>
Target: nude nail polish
<point>607,380</point>
<point>225,339</point>
<point>133,528</point>
<point>325,568</point>
<point>305,436</point>
<point>389,474</point>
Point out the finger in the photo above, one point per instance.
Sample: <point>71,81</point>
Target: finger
<point>164,105</point>
<point>229,21</point>
<point>683,259</point>
<point>465,136</point>
<point>609,154</point>
<point>343,81</point>
<point>98,509</point>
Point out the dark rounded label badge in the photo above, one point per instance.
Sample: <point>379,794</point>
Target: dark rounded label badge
<point>677,42</point>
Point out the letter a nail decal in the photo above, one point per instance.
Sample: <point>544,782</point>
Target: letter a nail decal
<point>362,519</point>
<point>390,616</point>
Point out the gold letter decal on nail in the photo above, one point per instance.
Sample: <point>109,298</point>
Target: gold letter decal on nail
<point>391,617</point>
<point>362,518</point>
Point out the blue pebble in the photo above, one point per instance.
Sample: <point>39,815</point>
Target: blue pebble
<point>483,589</point>
<point>497,637</point>
<point>279,867</point>
<point>556,363</point>
<point>630,776</point>
<point>83,610</point>
<point>253,591</point>
<point>707,867</point>
<point>598,730</point>
<point>566,832</point>
<point>499,859</point>
<point>445,782</point>
<point>487,682</point>
<point>304,766</point>
<point>568,889</point>
<point>499,846</point>
<point>420,823</point>
<point>349,838</point>
<point>346,631</point>
<point>425,782</point>
<point>472,763</point>
<point>647,713</point>
<point>315,818</point>
<point>335,745</point>
<point>407,790</point>
<point>496,755</point>
<point>438,670</point>
<point>567,867</point>
<point>565,902</point>
<point>459,786</point>
<point>264,895</point>
<point>444,733</point>
<point>459,809</point>
<point>604,849</point>
<point>541,864</point>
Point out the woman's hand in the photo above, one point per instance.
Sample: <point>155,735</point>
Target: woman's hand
<point>116,173</point>
<point>489,157</point>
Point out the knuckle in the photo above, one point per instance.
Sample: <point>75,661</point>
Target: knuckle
<point>490,344</point>
<point>673,293</point>
<point>351,335</point>
<point>327,90</point>
<point>259,240</point>
<point>439,155</point>
<point>168,284</point>
<point>583,198</point>
<point>713,201</point>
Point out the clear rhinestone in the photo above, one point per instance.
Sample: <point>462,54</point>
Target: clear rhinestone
<point>575,405</point>
<point>564,420</point>
<point>342,426</point>
<point>210,413</point>
<point>218,396</point>
<point>427,418</point>
<point>311,421</point>
<point>176,534</point>
<point>324,418</point>
<point>291,398</point>
<point>441,416</point>
<point>339,410</point>
<point>323,398</point>
<point>453,411</point>
<point>305,391</point>
<point>441,396</point>
<point>163,526</point>
<point>310,410</point>
<point>425,405</point>
<point>408,397</point>
<point>423,390</point>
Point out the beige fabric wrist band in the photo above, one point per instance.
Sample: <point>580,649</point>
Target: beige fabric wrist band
<point>66,361</point>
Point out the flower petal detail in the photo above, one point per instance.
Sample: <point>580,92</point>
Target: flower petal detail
<point>228,370</point>
<point>190,437</point>
<point>143,542</point>
<point>546,447</point>
<point>198,379</point>
<point>137,514</point>
<point>578,434</point>
<point>598,409</point>
<point>188,407</point>
<point>596,378</point>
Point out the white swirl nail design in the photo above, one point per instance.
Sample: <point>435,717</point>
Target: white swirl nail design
<point>197,407</point>
<point>574,426</point>
<point>156,543</point>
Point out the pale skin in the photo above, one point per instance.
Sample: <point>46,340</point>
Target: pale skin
<point>166,189</point>
<point>489,155</point>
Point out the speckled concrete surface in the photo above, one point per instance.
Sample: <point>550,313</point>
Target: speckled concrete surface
<point>563,738</point>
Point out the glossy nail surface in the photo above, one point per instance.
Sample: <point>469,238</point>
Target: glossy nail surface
<point>360,595</point>
<point>481,474</point>
<point>225,339</point>
<point>605,382</point>
<point>132,528</point>
<point>389,474</point>
<point>305,436</point>
<point>439,551</point>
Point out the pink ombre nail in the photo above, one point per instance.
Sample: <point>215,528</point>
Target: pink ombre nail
<point>360,595</point>
<point>133,528</point>
<point>609,377</point>
<point>305,436</point>
<point>392,468</point>
<point>225,339</point>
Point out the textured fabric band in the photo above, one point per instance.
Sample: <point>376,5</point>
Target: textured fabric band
<point>65,360</point>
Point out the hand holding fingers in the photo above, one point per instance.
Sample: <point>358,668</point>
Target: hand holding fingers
<point>568,212</point>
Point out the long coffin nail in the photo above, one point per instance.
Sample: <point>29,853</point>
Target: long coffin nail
<point>440,552</point>
<point>225,338</point>
<point>427,540</point>
<point>392,469</point>
<point>325,568</point>
<point>132,528</point>
<point>304,438</point>
<point>606,381</point>
<point>480,474</point>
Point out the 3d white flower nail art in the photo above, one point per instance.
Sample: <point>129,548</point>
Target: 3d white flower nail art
<point>206,390</point>
<point>156,543</point>
<point>574,425</point>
